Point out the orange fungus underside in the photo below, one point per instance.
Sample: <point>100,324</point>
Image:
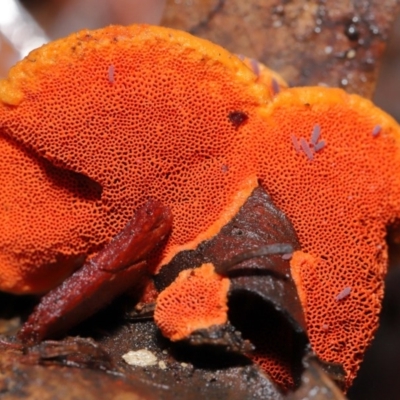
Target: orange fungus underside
<point>144,112</point>
<point>330,166</point>
<point>140,112</point>
<point>197,299</point>
<point>32,187</point>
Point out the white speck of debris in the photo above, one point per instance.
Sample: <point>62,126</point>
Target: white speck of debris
<point>328,49</point>
<point>351,54</point>
<point>162,365</point>
<point>140,358</point>
<point>184,365</point>
<point>313,392</point>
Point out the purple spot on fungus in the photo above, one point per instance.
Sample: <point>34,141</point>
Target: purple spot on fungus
<point>306,148</point>
<point>287,256</point>
<point>237,118</point>
<point>320,145</point>
<point>224,169</point>
<point>343,294</point>
<point>275,86</point>
<point>255,67</point>
<point>325,327</point>
<point>111,73</point>
<point>377,129</point>
<point>241,57</point>
<point>295,143</point>
<point>315,135</point>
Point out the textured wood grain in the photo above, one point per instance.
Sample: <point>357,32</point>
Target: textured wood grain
<point>332,43</point>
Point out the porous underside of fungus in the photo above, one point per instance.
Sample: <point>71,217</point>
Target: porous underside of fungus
<point>138,112</point>
<point>197,299</point>
<point>340,201</point>
<point>32,187</point>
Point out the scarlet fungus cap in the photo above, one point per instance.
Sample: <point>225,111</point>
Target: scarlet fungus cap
<point>328,160</point>
<point>32,187</point>
<point>137,112</point>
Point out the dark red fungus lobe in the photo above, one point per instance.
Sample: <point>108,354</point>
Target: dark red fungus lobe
<point>237,118</point>
<point>119,266</point>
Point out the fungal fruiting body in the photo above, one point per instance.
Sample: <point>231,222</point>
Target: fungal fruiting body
<point>33,187</point>
<point>206,309</point>
<point>339,203</point>
<point>166,123</point>
<point>145,112</point>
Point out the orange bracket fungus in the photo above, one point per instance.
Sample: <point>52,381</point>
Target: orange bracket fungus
<point>94,125</point>
<point>190,312</point>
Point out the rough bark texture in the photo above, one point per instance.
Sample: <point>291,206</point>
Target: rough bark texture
<point>317,42</point>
